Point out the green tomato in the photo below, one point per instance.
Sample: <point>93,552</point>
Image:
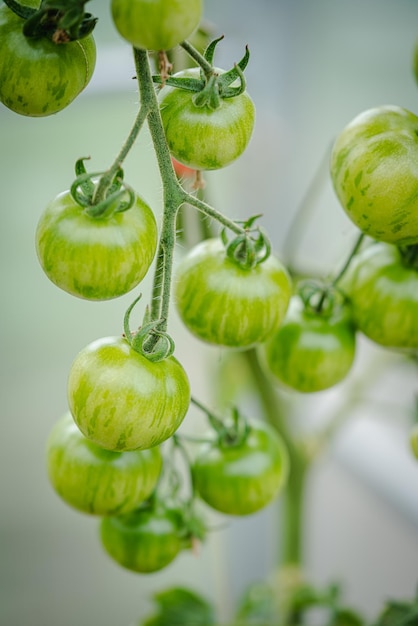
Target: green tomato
<point>203,138</point>
<point>120,400</point>
<point>373,169</point>
<point>223,303</point>
<point>98,481</point>
<point>156,24</point>
<point>37,76</point>
<point>96,258</point>
<point>144,541</point>
<point>311,351</point>
<point>384,297</point>
<point>242,478</point>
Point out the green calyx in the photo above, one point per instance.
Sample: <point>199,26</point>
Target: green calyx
<point>409,256</point>
<point>61,21</point>
<point>149,340</point>
<point>118,196</point>
<point>212,86</point>
<point>320,298</point>
<point>230,432</point>
<point>250,248</point>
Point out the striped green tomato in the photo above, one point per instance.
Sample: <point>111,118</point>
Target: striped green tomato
<point>375,175</point>
<point>156,24</point>
<point>120,400</point>
<point>144,541</point>
<point>383,292</point>
<point>203,138</point>
<point>242,478</point>
<point>311,351</point>
<point>223,303</point>
<point>98,481</point>
<point>37,76</point>
<point>96,258</point>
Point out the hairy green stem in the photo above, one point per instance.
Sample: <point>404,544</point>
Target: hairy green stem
<point>173,194</point>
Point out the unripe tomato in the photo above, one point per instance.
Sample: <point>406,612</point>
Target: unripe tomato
<point>242,478</point>
<point>224,303</point>
<point>37,76</point>
<point>97,481</point>
<point>120,400</point>
<point>311,351</point>
<point>156,24</point>
<point>203,138</point>
<point>384,297</point>
<point>143,541</point>
<point>375,175</point>
<point>96,258</point>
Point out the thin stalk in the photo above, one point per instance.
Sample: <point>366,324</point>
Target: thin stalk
<point>211,212</point>
<point>292,527</point>
<point>346,265</point>
<point>199,58</point>
<point>107,178</point>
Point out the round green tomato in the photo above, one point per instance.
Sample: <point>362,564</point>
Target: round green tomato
<point>98,481</point>
<point>373,169</point>
<point>37,76</point>
<point>120,400</point>
<point>414,440</point>
<point>311,351</point>
<point>243,478</point>
<point>96,258</point>
<point>384,297</point>
<point>204,138</point>
<point>156,24</point>
<point>143,541</point>
<point>223,303</point>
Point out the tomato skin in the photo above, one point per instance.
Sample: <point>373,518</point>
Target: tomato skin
<point>242,479</point>
<point>223,303</point>
<point>95,258</point>
<point>311,352</point>
<point>156,24</point>
<point>122,401</point>
<point>384,297</point>
<point>97,481</point>
<point>38,77</point>
<point>202,138</point>
<point>373,169</point>
<point>144,541</point>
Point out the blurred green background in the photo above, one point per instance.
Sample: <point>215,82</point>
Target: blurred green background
<point>314,66</point>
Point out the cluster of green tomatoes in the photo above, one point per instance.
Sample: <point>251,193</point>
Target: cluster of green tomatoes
<point>128,395</point>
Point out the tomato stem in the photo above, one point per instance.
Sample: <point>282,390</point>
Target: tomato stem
<point>211,212</point>
<point>291,549</point>
<point>173,193</point>
<point>351,256</point>
<point>199,58</point>
<point>107,178</point>
<point>174,196</point>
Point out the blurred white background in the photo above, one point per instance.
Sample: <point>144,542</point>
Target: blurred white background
<point>314,66</point>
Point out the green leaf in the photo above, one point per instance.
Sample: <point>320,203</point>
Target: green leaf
<point>257,607</point>
<point>399,614</point>
<point>181,607</point>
